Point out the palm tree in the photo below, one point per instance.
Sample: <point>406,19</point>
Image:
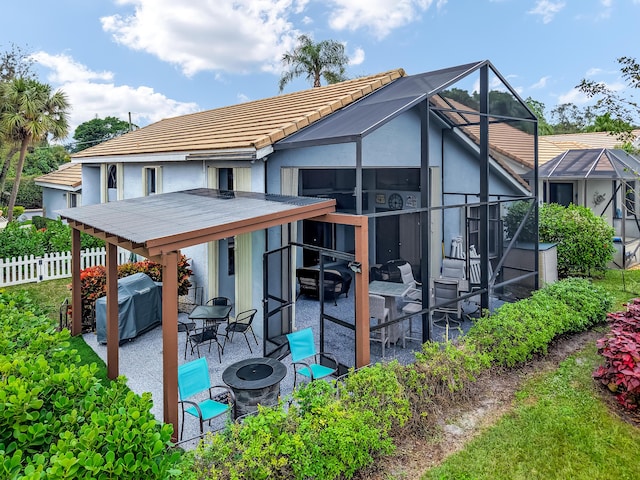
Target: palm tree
<point>29,113</point>
<point>324,59</point>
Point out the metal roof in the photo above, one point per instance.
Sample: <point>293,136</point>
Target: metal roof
<point>372,111</point>
<point>594,163</point>
<point>170,221</point>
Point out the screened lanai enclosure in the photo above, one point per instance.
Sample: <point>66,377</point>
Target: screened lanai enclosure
<point>606,181</point>
<point>435,161</point>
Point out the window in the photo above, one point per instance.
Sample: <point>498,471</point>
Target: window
<point>561,193</point>
<point>495,229</point>
<point>151,180</point>
<point>73,200</point>
<point>112,183</point>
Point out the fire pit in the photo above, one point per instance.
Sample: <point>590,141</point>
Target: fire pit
<point>254,381</point>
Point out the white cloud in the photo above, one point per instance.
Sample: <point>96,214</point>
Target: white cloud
<point>546,9</point>
<point>201,35</point>
<point>574,96</point>
<point>242,98</point>
<point>541,83</point>
<point>357,57</point>
<point>380,16</point>
<point>93,94</point>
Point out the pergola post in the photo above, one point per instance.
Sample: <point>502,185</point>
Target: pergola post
<point>170,340</point>
<point>76,287</point>
<point>113,337</point>
<point>363,353</point>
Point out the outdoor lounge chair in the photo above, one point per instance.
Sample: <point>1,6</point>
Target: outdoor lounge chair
<point>193,381</point>
<point>306,360</point>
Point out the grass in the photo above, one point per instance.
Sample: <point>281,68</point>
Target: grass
<point>559,429</point>
<point>623,284</point>
<point>49,295</point>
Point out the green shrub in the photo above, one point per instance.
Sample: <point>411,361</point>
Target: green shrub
<point>589,303</point>
<point>16,241</point>
<point>39,222</point>
<point>29,194</point>
<point>517,331</point>
<point>57,420</point>
<point>513,219</point>
<point>584,240</point>
<point>54,236</point>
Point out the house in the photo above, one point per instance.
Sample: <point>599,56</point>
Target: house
<point>604,180</point>
<point>362,172</point>
<point>61,189</point>
<point>402,150</point>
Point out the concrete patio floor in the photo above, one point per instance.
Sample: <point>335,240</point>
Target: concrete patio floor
<point>140,360</point>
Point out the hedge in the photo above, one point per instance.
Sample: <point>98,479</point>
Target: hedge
<point>57,420</point>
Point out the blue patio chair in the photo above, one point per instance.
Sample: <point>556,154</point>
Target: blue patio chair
<point>193,381</point>
<point>304,354</point>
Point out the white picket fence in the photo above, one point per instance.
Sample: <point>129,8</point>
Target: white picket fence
<point>29,269</point>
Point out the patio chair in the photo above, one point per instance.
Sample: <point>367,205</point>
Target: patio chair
<point>406,274</point>
<point>304,354</point>
<point>220,301</point>
<point>242,324</point>
<point>446,292</point>
<point>193,381</point>
<point>379,312</point>
<point>207,334</point>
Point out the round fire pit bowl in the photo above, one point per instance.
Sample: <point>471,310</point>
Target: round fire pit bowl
<point>254,381</point>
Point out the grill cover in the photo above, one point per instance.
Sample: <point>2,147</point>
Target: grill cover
<point>139,308</point>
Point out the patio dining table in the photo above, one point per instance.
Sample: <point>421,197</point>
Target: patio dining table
<point>209,314</point>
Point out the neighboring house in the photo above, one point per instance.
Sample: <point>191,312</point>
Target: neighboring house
<point>61,189</point>
<point>391,146</point>
<point>550,146</point>
<point>604,180</point>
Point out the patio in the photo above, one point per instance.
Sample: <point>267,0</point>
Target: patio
<point>141,359</point>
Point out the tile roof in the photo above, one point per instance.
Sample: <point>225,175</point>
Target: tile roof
<point>67,175</point>
<point>250,125</point>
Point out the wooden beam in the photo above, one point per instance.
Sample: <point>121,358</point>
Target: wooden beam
<point>363,353</point>
<point>170,340</point>
<point>113,340</point>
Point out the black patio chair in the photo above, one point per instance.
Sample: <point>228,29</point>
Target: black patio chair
<point>242,324</point>
<point>206,334</point>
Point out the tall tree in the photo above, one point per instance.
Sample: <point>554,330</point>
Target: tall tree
<point>568,118</point>
<point>624,111</point>
<point>15,62</point>
<point>30,112</point>
<point>98,130</point>
<point>538,109</point>
<point>325,59</point>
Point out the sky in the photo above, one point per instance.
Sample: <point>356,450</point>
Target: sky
<point>151,59</point>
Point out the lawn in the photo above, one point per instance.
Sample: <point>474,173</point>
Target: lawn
<point>559,428</point>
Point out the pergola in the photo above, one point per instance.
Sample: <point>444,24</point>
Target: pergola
<point>158,226</point>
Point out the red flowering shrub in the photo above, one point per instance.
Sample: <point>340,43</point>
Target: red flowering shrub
<point>93,280</point>
<point>621,350</point>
